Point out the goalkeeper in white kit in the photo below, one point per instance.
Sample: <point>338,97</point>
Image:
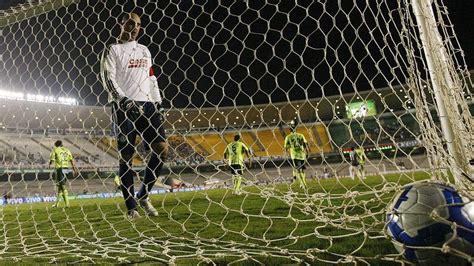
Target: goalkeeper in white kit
<point>128,76</point>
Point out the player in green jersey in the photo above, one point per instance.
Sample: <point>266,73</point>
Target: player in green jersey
<point>64,165</point>
<point>357,157</point>
<point>297,149</point>
<point>234,154</point>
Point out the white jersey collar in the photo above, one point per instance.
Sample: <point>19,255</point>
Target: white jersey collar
<point>133,44</point>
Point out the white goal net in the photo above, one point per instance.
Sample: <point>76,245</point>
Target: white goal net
<point>383,83</point>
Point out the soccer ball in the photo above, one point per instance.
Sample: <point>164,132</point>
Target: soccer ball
<point>421,221</point>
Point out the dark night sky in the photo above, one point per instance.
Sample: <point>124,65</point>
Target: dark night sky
<point>235,53</point>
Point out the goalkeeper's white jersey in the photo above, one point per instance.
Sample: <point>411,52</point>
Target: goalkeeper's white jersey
<point>128,67</point>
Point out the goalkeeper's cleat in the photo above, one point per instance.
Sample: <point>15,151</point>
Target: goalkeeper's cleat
<point>133,214</point>
<point>149,209</point>
<point>54,205</point>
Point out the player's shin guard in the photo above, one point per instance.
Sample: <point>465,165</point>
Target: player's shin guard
<point>126,180</point>
<point>152,172</point>
<point>65,197</point>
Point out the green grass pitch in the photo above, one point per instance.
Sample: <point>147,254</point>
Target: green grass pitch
<point>277,224</point>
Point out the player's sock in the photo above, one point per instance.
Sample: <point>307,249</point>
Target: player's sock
<point>298,177</point>
<point>152,172</point>
<point>58,197</point>
<point>303,179</point>
<point>126,180</point>
<point>65,197</point>
<point>238,182</point>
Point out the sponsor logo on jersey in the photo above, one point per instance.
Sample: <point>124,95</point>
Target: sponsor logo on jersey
<point>136,63</point>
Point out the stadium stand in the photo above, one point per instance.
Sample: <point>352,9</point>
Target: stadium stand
<point>34,150</point>
<point>106,144</point>
<point>199,146</point>
<point>182,153</point>
<point>272,140</point>
<point>210,145</point>
<point>23,150</point>
<point>262,131</point>
<point>93,151</point>
<point>321,134</point>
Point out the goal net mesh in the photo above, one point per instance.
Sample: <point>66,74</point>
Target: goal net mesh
<point>364,74</point>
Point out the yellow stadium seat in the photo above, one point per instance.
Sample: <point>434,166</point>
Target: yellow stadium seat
<point>211,146</point>
<point>272,141</point>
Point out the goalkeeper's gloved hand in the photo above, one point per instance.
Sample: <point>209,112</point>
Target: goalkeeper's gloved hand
<point>160,109</point>
<point>131,109</point>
